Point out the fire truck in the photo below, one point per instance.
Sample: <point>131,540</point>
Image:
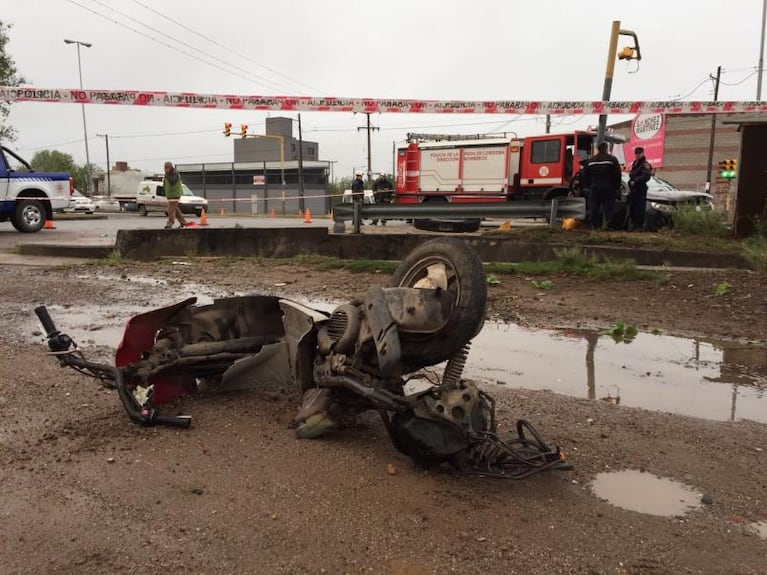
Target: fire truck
<point>484,168</point>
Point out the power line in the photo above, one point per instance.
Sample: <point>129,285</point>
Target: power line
<point>186,44</point>
<point>176,49</point>
<point>215,43</point>
<point>741,81</point>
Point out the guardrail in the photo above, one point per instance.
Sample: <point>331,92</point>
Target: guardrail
<point>553,210</point>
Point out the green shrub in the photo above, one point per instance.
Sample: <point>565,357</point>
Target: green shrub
<point>688,220</point>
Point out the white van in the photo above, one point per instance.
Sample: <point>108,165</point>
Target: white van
<point>150,197</point>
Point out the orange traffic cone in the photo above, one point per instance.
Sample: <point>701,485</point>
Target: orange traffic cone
<point>49,225</point>
<point>204,218</point>
<point>307,216</point>
<point>271,213</point>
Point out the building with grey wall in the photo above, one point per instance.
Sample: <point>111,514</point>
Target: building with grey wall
<point>266,147</point>
<point>687,142</point>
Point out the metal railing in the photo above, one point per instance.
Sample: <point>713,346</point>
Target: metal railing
<point>554,210</point>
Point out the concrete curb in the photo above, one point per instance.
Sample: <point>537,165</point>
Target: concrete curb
<point>145,245</point>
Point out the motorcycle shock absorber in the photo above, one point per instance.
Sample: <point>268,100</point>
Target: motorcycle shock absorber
<point>454,368</point>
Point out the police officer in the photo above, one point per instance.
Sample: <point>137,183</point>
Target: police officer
<point>602,176</point>
<point>382,193</point>
<point>358,194</point>
<point>640,174</point>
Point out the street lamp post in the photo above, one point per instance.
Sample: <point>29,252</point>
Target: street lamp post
<point>85,129</point>
<point>106,141</point>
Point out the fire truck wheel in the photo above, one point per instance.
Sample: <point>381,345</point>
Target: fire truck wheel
<point>449,226</point>
<point>449,264</point>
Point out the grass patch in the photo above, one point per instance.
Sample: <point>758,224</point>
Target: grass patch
<point>689,221</point>
<point>354,266</point>
<point>754,249</point>
<point>572,260</point>
<point>113,259</point>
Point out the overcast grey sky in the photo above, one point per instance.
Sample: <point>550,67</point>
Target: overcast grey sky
<point>448,49</point>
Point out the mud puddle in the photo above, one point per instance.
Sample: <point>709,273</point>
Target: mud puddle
<point>645,493</point>
<point>720,381</point>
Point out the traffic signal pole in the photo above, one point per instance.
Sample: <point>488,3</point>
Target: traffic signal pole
<point>628,53</point>
<point>608,85</point>
<point>713,130</point>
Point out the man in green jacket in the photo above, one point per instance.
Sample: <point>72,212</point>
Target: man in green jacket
<point>171,183</point>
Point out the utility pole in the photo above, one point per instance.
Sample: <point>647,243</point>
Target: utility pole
<point>713,129</point>
<point>761,55</point>
<point>109,169</point>
<point>369,128</point>
<point>82,107</point>
<point>300,167</point>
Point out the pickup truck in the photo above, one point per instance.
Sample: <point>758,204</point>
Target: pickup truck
<point>29,198</point>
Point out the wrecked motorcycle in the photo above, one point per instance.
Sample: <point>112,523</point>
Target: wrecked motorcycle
<point>355,359</point>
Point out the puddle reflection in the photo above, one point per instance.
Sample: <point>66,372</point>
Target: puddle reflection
<point>712,380</point>
<point>645,493</point>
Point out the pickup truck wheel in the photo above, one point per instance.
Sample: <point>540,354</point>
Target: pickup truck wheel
<point>29,216</point>
<point>451,265</point>
<point>142,210</point>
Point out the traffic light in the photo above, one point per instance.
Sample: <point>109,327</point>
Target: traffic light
<point>244,130</point>
<point>227,129</point>
<point>626,54</point>
<point>728,168</point>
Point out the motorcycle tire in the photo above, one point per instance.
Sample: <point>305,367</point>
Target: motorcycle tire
<point>466,283</point>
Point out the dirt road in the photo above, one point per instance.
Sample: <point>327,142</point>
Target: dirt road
<point>86,491</point>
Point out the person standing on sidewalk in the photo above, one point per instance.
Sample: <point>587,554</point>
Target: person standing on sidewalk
<point>358,195</point>
<point>602,176</point>
<point>171,183</point>
<point>640,174</point>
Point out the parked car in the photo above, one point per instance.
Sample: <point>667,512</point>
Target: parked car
<point>663,199</point>
<point>105,204</point>
<point>150,197</point>
<point>79,203</point>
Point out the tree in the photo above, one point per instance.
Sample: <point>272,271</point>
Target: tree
<point>55,161</point>
<point>52,161</point>
<point>8,77</point>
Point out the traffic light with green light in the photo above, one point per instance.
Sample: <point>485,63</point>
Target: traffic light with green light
<point>728,168</point>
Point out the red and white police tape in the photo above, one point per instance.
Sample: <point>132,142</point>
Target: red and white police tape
<point>372,105</point>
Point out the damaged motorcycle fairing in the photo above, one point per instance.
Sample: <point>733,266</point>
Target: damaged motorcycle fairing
<point>354,359</point>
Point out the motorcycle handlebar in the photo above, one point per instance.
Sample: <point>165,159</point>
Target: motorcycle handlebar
<point>60,342</point>
<point>45,319</point>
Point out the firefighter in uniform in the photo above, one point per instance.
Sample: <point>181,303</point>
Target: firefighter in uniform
<point>602,176</point>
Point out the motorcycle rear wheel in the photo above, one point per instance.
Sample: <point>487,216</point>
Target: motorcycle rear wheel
<point>455,265</point>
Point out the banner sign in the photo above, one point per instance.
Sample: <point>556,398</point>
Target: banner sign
<point>649,132</point>
<point>364,105</point>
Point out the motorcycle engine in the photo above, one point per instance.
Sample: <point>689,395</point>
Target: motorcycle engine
<point>341,332</point>
<point>442,425</point>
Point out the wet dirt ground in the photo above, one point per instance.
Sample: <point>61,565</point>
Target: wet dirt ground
<point>86,491</point>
